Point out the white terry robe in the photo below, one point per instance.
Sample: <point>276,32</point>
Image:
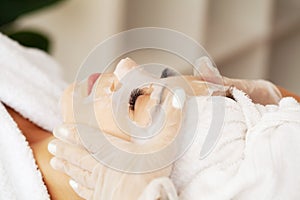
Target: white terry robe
<point>31,84</point>
<point>256,157</point>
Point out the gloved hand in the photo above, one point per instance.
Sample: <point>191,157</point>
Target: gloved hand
<point>260,91</point>
<point>91,179</point>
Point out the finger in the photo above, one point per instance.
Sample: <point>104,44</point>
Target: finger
<point>205,69</point>
<point>162,188</point>
<point>173,105</point>
<point>75,155</point>
<point>80,190</point>
<point>70,133</point>
<point>67,133</point>
<point>79,175</point>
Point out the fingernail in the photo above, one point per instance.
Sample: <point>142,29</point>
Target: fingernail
<point>57,164</point>
<point>73,184</point>
<point>178,98</point>
<point>61,131</point>
<point>52,147</point>
<point>53,163</point>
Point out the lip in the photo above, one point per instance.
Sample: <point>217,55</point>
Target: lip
<point>91,81</point>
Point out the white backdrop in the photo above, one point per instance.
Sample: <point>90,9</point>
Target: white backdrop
<point>247,39</point>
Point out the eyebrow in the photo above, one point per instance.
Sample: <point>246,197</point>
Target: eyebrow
<point>167,72</point>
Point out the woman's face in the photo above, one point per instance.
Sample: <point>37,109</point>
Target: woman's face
<point>139,105</point>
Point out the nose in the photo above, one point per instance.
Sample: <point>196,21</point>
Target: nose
<point>157,92</point>
<point>178,95</point>
<point>178,82</point>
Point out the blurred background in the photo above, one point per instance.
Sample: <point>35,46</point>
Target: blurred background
<point>246,39</point>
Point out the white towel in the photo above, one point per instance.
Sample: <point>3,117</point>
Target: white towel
<point>31,84</point>
<point>257,156</point>
<point>195,178</point>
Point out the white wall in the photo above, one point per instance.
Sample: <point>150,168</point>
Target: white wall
<point>76,26</point>
<point>247,39</point>
<point>285,62</point>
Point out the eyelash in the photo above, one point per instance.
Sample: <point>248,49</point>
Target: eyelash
<point>138,92</point>
<point>133,97</point>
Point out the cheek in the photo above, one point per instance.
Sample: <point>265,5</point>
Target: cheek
<point>143,106</point>
<point>199,89</point>
<point>104,115</point>
<point>106,84</point>
<point>105,119</point>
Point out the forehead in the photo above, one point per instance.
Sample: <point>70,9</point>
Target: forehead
<point>193,85</point>
<point>174,80</point>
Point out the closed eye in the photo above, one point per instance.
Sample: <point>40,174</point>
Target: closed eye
<point>133,97</point>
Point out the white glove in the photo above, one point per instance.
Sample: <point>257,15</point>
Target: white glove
<point>91,179</point>
<point>160,188</point>
<point>260,91</point>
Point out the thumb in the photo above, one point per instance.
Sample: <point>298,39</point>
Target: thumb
<point>204,68</point>
<point>172,106</point>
